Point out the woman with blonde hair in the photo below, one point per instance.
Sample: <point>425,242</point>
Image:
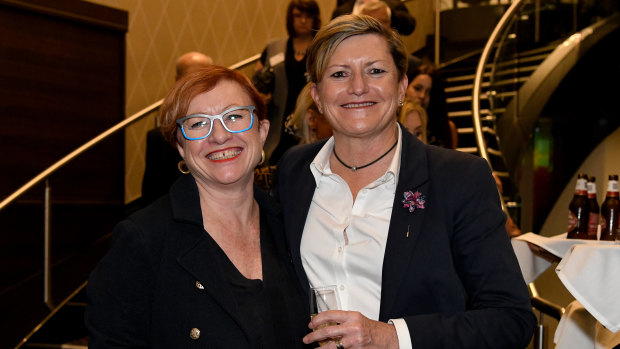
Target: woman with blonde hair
<point>412,235</point>
<point>306,123</point>
<point>413,116</point>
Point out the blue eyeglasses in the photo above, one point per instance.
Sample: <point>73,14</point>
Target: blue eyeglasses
<point>234,120</point>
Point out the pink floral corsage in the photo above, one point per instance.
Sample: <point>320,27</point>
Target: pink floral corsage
<point>413,200</point>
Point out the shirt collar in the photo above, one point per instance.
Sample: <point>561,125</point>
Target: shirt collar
<point>320,164</point>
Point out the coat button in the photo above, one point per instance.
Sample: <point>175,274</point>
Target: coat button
<point>199,285</point>
<point>194,333</point>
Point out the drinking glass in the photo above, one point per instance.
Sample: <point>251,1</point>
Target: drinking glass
<point>323,298</point>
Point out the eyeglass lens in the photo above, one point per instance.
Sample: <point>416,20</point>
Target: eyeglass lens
<point>234,121</point>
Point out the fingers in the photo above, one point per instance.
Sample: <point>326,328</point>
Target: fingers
<point>328,325</point>
<point>541,252</point>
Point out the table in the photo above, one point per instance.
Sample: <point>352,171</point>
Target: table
<point>579,329</point>
<point>590,270</point>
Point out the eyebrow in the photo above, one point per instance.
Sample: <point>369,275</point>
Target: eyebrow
<point>347,65</point>
<point>225,109</point>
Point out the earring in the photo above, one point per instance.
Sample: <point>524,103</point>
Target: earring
<point>401,103</point>
<point>262,158</point>
<point>183,167</point>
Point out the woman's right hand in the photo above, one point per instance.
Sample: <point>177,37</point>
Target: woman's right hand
<point>353,329</point>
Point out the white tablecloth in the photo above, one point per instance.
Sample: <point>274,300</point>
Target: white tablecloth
<point>589,269</point>
<point>578,329</point>
<point>591,273</point>
<point>532,265</point>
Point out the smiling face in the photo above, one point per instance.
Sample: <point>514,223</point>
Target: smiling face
<point>360,88</point>
<point>223,157</point>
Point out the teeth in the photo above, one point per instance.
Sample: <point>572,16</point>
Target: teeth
<point>358,105</point>
<point>223,155</point>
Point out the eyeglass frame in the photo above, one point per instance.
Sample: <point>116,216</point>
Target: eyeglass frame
<point>251,108</point>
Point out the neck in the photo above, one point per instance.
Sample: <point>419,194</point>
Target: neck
<point>305,38</point>
<point>236,197</point>
<point>358,152</point>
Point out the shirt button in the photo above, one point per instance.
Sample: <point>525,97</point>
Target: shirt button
<point>341,287</point>
<point>200,287</point>
<point>194,333</point>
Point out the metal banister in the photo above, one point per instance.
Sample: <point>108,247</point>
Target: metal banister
<point>44,176</point>
<point>486,52</point>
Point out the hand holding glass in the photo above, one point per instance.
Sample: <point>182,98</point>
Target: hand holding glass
<point>323,298</point>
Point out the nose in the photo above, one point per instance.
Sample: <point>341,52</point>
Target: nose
<point>358,85</point>
<point>219,134</point>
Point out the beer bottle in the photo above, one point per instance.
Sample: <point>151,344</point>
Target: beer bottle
<point>593,209</point>
<point>578,210</point>
<point>610,211</point>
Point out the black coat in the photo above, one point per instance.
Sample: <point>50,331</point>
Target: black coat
<point>146,293</point>
<point>449,269</point>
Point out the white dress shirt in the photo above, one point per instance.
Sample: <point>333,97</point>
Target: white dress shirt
<point>343,241</point>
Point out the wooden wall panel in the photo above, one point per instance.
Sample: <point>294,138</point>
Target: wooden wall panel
<point>62,82</point>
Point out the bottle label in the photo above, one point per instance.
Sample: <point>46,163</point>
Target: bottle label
<point>593,224</point>
<point>591,190</point>
<point>581,188</point>
<point>612,188</point>
<point>572,221</point>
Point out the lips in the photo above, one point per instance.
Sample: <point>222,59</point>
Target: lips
<point>225,154</point>
<point>358,105</point>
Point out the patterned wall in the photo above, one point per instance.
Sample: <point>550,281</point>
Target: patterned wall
<point>227,30</point>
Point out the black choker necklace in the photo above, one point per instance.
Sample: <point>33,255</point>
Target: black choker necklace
<point>355,168</point>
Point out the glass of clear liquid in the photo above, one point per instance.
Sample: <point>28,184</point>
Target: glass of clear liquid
<point>323,298</point>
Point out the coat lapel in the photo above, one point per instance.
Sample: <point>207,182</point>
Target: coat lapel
<point>405,226</point>
<point>295,226</point>
<point>196,248</point>
<point>198,261</point>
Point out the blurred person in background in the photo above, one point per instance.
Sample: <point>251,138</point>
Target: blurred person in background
<point>306,123</point>
<point>427,88</point>
<point>401,20</point>
<point>413,117</point>
<point>281,72</point>
<point>160,165</point>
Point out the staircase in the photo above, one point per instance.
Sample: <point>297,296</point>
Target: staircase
<point>508,77</point>
<point>64,328</point>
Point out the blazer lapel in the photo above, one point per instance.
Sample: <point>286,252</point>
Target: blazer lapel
<point>295,226</point>
<point>196,249</point>
<point>405,226</point>
<point>198,260</point>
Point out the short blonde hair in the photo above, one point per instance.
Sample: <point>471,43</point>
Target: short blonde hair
<point>409,106</point>
<point>341,28</point>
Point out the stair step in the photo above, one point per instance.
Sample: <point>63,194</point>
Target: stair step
<point>468,113</point>
<point>469,150</point>
<point>470,130</point>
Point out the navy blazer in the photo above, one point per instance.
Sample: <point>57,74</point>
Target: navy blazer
<point>161,279</point>
<point>454,279</point>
